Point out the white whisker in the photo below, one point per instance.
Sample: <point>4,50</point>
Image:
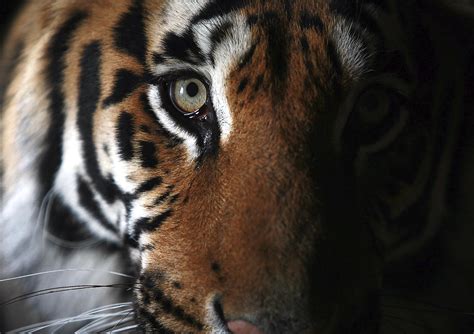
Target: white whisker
<point>95,326</point>
<point>103,325</point>
<point>118,330</point>
<point>44,210</point>
<point>101,309</point>
<point>89,315</point>
<point>65,321</point>
<point>34,327</point>
<point>65,270</point>
<point>123,320</point>
<point>101,317</point>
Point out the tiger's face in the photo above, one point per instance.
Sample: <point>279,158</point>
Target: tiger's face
<point>233,233</point>
<point>256,166</point>
<point>204,128</point>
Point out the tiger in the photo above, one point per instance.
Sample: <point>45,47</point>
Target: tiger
<point>246,166</point>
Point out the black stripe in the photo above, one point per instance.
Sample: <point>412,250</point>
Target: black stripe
<point>304,44</point>
<point>262,18</point>
<point>163,197</point>
<point>152,224</point>
<point>158,58</point>
<point>277,47</point>
<point>137,229</point>
<point>218,8</point>
<point>217,36</point>
<point>129,241</point>
<point>308,21</point>
<point>57,49</point>
<point>88,202</point>
<point>63,224</point>
<point>148,154</point>
<point>277,52</point>
<point>183,47</point>
<point>89,95</point>
<point>252,20</point>
<point>173,141</point>
<point>151,287</point>
<point>312,77</point>
<point>242,85</point>
<point>219,33</point>
<point>247,58</point>
<point>158,327</point>
<point>147,248</point>
<point>125,133</point>
<point>125,83</point>
<point>156,222</point>
<point>289,8</point>
<point>145,128</point>
<point>318,82</point>
<point>147,107</point>
<point>334,57</point>
<point>258,83</point>
<point>173,199</point>
<point>129,34</point>
<point>149,185</point>
<point>127,199</point>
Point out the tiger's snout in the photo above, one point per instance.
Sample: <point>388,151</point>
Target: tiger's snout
<point>253,323</point>
<point>243,327</point>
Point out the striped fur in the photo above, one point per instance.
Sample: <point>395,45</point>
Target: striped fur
<point>225,218</point>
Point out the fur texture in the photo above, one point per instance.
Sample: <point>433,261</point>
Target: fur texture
<point>275,204</point>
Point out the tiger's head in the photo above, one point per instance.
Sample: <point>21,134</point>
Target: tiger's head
<point>211,139</point>
<point>213,159</point>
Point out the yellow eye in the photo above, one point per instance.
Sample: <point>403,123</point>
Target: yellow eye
<point>188,95</point>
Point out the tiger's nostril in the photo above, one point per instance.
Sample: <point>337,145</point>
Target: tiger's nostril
<point>243,327</point>
<point>217,320</point>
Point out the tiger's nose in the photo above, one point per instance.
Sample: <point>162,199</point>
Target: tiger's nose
<point>243,327</point>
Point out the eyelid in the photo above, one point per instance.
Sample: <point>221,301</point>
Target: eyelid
<point>174,75</point>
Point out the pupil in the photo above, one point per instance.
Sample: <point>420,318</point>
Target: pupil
<point>192,89</point>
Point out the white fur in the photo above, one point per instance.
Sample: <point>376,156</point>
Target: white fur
<point>178,14</point>
<point>66,183</point>
<point>23,250</point>
<point>350,48</point>
<point>227,55</point>
<point>19,207</point>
